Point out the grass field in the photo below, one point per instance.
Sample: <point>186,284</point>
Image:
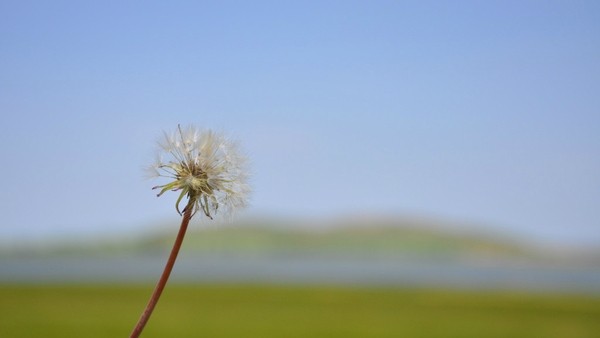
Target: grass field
<point>292,311</point>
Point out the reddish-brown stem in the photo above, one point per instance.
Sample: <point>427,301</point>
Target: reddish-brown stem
<point>187,215</point>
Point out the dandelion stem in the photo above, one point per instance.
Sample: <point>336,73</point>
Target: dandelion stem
<point>187,215</point>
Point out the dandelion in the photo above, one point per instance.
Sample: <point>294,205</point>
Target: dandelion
<point>206,169</point>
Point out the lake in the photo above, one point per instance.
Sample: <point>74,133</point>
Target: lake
<point>400,271</point>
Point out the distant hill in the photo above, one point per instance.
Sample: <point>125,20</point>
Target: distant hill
<point>360,237</point>
<point>363,250</point>
<point>354,239</point>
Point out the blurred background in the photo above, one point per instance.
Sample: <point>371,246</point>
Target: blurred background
<point>443,155</point>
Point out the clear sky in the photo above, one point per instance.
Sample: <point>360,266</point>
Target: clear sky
<point>480,111</point>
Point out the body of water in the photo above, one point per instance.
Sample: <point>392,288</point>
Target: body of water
<point>302,269</point>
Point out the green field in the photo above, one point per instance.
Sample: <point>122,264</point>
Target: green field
<point>292,311</point>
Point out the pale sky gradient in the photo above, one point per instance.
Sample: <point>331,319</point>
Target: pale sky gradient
<point>481,111</point>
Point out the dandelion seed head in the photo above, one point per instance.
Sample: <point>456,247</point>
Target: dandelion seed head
<point>204,167</point>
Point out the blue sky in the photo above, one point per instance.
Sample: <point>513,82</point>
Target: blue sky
<point>481,111</point>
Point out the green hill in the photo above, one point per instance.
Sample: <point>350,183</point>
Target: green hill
<point>363,237</point>
<point>366,237</point>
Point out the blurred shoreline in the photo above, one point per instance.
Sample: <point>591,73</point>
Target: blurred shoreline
<point>370,251</point>
<point>392,271</point>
